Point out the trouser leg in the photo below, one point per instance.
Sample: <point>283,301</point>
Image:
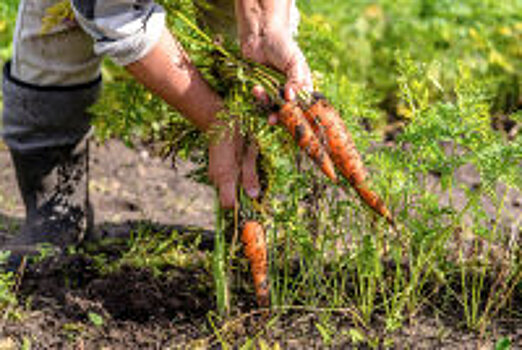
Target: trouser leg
<point>47,89</point>
<point>63,56</point>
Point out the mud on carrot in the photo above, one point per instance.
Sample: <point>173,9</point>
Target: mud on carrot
<point>291,116</point>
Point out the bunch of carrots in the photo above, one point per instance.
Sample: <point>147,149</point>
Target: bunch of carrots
<point>317,128</point>
<point>321,133</point>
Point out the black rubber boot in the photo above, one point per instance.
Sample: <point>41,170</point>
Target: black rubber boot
<point>46,130</point>
<point>53,183</point>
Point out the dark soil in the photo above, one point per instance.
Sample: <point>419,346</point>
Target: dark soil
<point>136,309</point>
<point>141,311</point>
<point>65,302</point>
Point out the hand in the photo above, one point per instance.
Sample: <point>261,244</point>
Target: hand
<point>277,48</point>
<point>231,161</point>
<point>168,72</point>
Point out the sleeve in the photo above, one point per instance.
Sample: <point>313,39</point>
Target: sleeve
<point>124,30</point>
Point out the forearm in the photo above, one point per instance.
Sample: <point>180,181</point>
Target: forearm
<point>167,71</point>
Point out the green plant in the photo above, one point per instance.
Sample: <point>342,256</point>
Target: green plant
<point>220,268</point>
<point>156,249</point>
<point>443,86</point>
<point>95,319</point>
<point>503,344</point>
<point>8,298</point>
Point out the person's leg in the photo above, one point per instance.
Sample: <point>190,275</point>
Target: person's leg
<point>48,86</point>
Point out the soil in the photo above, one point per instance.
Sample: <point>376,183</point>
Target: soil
<point>127,189</point>
<point>128,185</point>
<point>67,303</point>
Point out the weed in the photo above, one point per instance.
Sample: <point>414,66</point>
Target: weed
<point>8,300</point>
<point>157,250</point>
<point>96,319</point>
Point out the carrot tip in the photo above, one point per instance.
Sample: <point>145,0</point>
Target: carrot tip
<point>391,222</point>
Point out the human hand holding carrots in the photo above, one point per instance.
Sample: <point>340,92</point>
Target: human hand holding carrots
<point>313,122</point>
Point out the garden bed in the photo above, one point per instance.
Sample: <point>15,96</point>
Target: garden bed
<point>68,302</point>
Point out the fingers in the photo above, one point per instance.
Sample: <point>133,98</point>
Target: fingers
<point>223,170</point>
<point>249,178</point>
<point>283,53</point>
<point>227,163</point>
<point>227,193</point>
<point>260,94</point>
<point>226,185</point>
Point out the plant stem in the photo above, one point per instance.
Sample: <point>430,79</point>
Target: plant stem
<point>218,263</point>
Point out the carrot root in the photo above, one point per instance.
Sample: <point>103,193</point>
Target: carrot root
<point>291,116</point>
<point>375,202</point>
<point>328,125</point>
<point>254,240</point>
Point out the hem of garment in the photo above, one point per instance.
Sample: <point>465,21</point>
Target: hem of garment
<point>57,88</point>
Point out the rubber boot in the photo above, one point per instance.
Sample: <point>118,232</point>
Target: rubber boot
<point>47,131</point>
<point>53,183</point>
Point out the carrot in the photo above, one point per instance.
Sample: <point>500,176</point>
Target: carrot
<point>291,116</point>
<point>253,238</point>
<point>327,123</point>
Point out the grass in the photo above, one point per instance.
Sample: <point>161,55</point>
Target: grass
<point>441,71</point>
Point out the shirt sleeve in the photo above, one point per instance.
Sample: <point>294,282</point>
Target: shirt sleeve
<point>124,30</point>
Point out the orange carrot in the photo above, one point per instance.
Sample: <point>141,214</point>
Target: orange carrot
<point>327,123</point>
<point>291,116</point>
<point>253,238</point>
